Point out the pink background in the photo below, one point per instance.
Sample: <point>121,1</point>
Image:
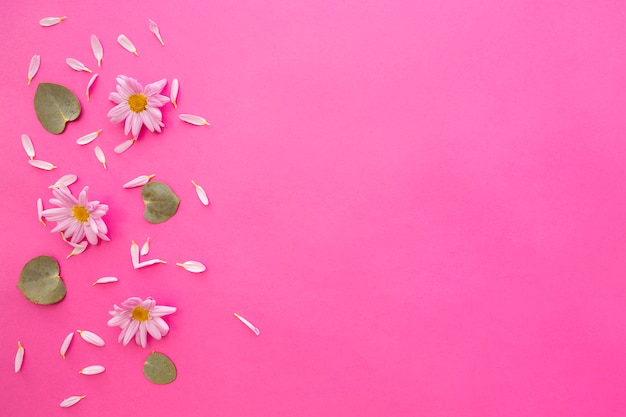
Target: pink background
<point>419,203</point>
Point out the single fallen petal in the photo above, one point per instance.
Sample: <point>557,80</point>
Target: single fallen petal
<point>70,401</point>
<point>40,211</point>
<point>139,181</point>
<point>100,155</point>
<point>66,344</point>
<point>201,193</point>
<point>65,180</point>
<point>88,138</point>
<point>127,44</point>
<point>89,84</point>
<point>150,262</point>
<point>134,254</point>
<point>51,21</point>
<point>69,242</point>
<point>145,248</point>
<point>19,357</point>
<point>123,147</point>
<point>155,29</point>
<point>91,337</point>
<point>194,120</point>
<point>28,146</point>
<point>76,65</point>
<point>35,61</point>
<point>42,164</point>
<point>193,266</point>
<point>96,46</point>
<point>174,92</point>
<point>78,249</point>
<point>105,280</point>
<point>92,370</point>
<point>250,325</point>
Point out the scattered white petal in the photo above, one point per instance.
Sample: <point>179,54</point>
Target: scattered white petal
<point>155,29</point>
<point>42,164</point>
<point>28,146</point>
<point>100,155</point>
<point>145,248</point>
<point>250,325</point>
<point>89,84</point>
<point>70,401</point>
<point>134,254</point>
<point>40,211</point>
<point>91,337</point>
<point>193,266</point>
<point>123,147</point>
<point>138,182</point>
<point>51,21</point>
<point>88,138</point>
<point>201,193</point>
<point>127,44</point>
<point>96,46</point>
<point>150,262</point>
<point>78,249</point>
<point>174,92</point>
<point>19,357</point>
<point>194,120</point>
<point>92,370</point>
<point>105,280</point>
<point>35,61</point>
<point>76,65</point>
<point>66,180</point>
<point>66,344</point>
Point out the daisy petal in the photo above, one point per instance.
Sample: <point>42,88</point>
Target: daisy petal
<point>47,166</point>
<point>51,21</point>
<point>145,248</point>
<point>91,337</point>
<point>35,61</point>
<point>139,181</point>
<point>127,44</point>
<point>100,155</point>
<point>66,344</point>
<point>92,370</point>
<point>150,262</point>
<point>40,211</point>
<point>134,254</point>
<point>78,249</point>
<point>65,180</point>
<point>155,29</point>
<point>28,146</point>
<point>89,84</point>
<point>201,193</point>
<point>70,401</point>
<point>123,147</point>
<point>248,324</point>
<point>76,65</point>
<point>96,46</point>
<point>192,266</point>
<point>194,120</point>
<point>19,357</point>
<point>88,138</point>
<point>174,92</point>
<point>105,280</point>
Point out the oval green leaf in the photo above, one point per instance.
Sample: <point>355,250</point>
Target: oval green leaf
<point>159,369</point>
<point>55,105</point>
<point>161,202</point>
<point>40,281</point>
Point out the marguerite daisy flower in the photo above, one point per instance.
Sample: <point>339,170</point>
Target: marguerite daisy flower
<point>138,318</point>
<point>137,105</point>
<point>77,218</point>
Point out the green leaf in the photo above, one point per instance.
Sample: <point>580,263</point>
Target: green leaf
<point>159,369</point>
<point>55,105</point>
<point>40,281</point>
<point>161,202</point>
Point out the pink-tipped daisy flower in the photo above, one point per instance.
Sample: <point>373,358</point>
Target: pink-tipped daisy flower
<point>137,105</point>
<point>138,318</point>
<point>77,218</point>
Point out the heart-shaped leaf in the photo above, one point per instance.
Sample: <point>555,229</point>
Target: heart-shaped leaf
<point>55,105</point>
<point>159,369</point>
<point>40,281</point>
<point>161,202</point>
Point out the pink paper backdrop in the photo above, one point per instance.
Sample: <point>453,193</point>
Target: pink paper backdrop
<point>419,203</point>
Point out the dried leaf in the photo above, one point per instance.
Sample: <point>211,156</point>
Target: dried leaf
<point>154,28</point>
<point>70,401</point>
<point>66,344</point>
<point>248,324</point>
<point>66,180</point>
<point>51,21</point>
<point>27,144</point>
<point>33,67</point>
<point>40,211</point>
<point>45,165</point>
<point>201,193</point>
<point>174,92</point>
<point>91,337</point>
<point>100,155</point>
<point>76,65</point>
<point>40,282</point>
<point>194,120</point>
<point>159,369</point>
<point>19,357</point>
<point>160,201</point>
<point>92,370</point>
<point>139,181</point>
<point>123,147</point>
<point>145,248</point>
<point>88,138</point>
<point>89,84</point>
<point>55,105</point>
<point>193,266</point>
<point>127,44</point>
<point>96,46</point>
<point>105,280</point>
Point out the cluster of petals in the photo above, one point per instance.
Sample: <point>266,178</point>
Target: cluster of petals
<point>139,318</point>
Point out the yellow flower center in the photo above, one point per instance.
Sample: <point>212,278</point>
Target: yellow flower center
<point>140,314</point>
<point>137,102</point>
<point>80,213</point>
